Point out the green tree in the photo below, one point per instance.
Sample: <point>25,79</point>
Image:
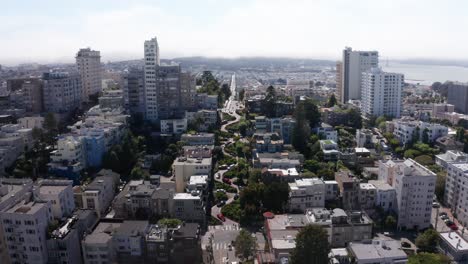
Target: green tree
<point>170,222</point>
<point>137,173</point>
<point>269,103</point>
<point>312,113</point>
<point>312,165</point>
<point>241,95</point>
<point>332,101</point>
<point>379,120</point>
<point>245,244</point>
<point>440,185</point>
<point>312,246</point>
<point>460,136</point>
<point>326,174</point>
<point>390,222</point>
<point>50,123</point>
<point>425,136</point>
<point>275,196</point>
<point>428,258</point>
<point>301,130</point>
<point>428,241</point>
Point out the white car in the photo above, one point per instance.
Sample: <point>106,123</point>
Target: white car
<point>221,190</point>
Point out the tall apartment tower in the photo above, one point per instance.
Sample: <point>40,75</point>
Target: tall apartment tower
<point>134,91</point>
<point>339,80</point>
<point>354,63</point>
<point>152,64</point>
<point>458,96</point>
<point>61,92</point>
<point>381,93</point>
<point>89,66</point>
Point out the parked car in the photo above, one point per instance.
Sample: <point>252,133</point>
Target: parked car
<point>221,217</point>
<point>221,203</point>
<point>227,180</point>
<point>442,213</point>
<point>449,222</point>
<point>221,190</point>
<point>454,227</point>
<point>217,176</point>
<point>236,196</point>
<point>223,167</point>
<point>444,217</point>
<point>435,205</point>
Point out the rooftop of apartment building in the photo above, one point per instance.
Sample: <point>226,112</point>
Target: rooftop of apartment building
<point>186,196</point>
<point>453,156</point>
<point>186,230</point>
<point>132,228</point>
<point>102,233</point>
<point>381,185</point>
<point>185,160</point>
<point>283,172</point>
<point>367,186</point>
<point>305,182</point>
<point>198,179</point>
<point>24,207</point>
<point>50,189</point>
<point>410,167</point>
<point>198,151</point>
<point>461,166</point>
<point>455,240</point>
<point>377,249</point>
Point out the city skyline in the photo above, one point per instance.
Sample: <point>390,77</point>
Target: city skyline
<point>298,29</point>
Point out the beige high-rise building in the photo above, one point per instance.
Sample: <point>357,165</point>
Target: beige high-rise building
<point>339,80</point>
<point>89,66</point>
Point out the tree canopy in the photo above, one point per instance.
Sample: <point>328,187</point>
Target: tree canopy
<point>312,246</point>
<point>428,241</point>
<point>245,244</point>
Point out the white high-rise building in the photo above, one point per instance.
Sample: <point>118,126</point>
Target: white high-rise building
<point>455,190</point>
<point>151,72</point>
<point>354,63</point>
<point>415,186</point>
<point>381,93</point>
<point>89,66</point>
<point>25,231</point>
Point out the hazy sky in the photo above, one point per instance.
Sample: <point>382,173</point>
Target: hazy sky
<point>53,30</point>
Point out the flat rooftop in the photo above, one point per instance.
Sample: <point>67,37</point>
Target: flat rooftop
<point>186,196</point>
<point>378,249</point>
<point>26,208</point>
<point>102,233</point>
<point>455,240</point>
<point>381,185</point>
<point>367,186</point>
<point>48,189</point>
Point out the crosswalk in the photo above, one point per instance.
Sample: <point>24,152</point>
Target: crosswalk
<point>219,246</point>
<point>224,227</point>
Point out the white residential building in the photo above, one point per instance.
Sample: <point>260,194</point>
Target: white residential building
<point>456,185</point>
<point>174,126</point>
<point>70,150</point>
<point>60,195</point>
<point>404,130</point>
<point>381,93</point>
<point>89,66</point>
<point>189,207</point>
<point>451,156</point>
<point>99,194</point>
<point>364,138</point>
<point>367,195</point>
<point>98,247</point>
<point>332,190</point>
<point>31,122</point>
<point>415,187</point>
<point>152,63</point>
<point>354,63</point>
<point>184,168</point>
<point>306,193</point>
<point>199,139</point>
<point>386,195</point>
<point>378,251</point>
<point>25,230</point>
